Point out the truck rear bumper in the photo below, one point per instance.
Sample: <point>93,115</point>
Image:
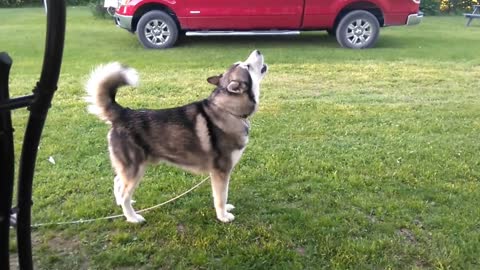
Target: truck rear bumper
<point>414,19</point>
<point>123,21</point>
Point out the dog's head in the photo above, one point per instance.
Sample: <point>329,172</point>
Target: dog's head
<point>238,88</point>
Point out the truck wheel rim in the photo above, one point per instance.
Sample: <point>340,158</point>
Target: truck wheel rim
<point>359,32</point>
<point>157,32</point>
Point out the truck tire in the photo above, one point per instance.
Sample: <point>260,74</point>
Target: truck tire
<point>358,29</point>
<point>157,30</point>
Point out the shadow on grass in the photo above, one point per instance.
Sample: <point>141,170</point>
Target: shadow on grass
<point>305,40</point>
<point>296,41</point>
<point>395,42</point>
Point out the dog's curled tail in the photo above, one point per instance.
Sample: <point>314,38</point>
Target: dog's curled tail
<point>102,87</point>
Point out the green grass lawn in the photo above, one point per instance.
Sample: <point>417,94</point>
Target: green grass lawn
<point>357,159</point>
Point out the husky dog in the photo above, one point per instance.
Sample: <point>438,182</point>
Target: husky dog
<point>206,136</point>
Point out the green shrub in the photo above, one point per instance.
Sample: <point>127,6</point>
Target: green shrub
<point>97,9</point>
<point>457,6</point>
<point>23,3</point>
<point>430,7</point>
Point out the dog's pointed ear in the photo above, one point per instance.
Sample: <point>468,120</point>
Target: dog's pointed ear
<point>215,80</point>
<point>234,87</point>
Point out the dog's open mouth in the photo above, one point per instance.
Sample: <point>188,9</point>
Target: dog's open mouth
<point>264,69</point>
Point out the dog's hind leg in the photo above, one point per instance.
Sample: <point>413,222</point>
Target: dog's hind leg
<point>117,185</point>
<point>129,162</point>
<point>128,179</point>
<point>220,182</point>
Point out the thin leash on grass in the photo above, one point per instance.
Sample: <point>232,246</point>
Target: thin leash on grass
<point>80,221</point>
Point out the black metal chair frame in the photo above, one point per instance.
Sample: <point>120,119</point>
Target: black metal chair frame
<point>38,104</point>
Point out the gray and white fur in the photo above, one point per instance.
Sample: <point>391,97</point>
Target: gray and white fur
<point>207,136</point>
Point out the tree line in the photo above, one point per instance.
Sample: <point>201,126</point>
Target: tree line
<point>430,7</point>
<point>437,7</point>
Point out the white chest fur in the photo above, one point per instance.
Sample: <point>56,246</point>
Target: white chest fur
<point>237,154</point>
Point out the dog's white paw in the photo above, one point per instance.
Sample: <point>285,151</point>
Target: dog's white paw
<point>136,219</point>
<point>227,217</point>
<point>229,207</point>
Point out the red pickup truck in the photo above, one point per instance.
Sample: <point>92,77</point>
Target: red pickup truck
<point>355,23</point>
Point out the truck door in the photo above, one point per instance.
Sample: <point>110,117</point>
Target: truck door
<point>243,14</point>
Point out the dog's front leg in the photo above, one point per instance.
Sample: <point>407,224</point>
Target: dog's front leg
<point>220,182</point>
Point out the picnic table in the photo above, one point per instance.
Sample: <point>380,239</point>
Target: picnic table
<point>474,15</point>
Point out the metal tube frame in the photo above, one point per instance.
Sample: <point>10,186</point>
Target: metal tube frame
<point>38,104</point>
<point>6,162</point>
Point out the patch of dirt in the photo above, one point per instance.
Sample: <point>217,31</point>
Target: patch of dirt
<point>62,246</point>
<point>58,245</point>
<point>408,235</point>
<point>181,229</point>
<point>421,264</point>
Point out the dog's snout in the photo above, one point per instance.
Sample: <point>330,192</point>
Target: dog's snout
<point>255,58</point>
